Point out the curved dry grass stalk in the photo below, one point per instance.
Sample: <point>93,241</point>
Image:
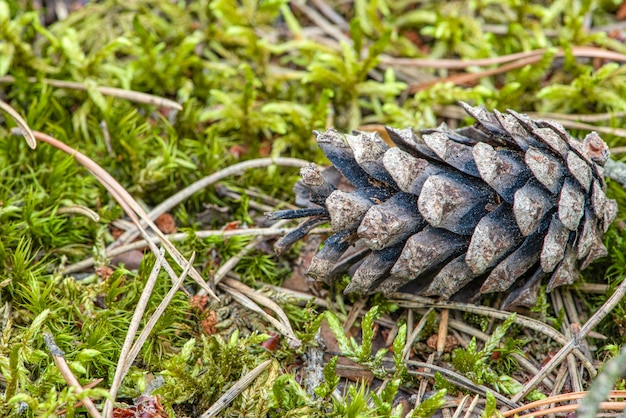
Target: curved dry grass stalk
<point>81,210</point>
<point>130,95</point>
<point>131,207</point>
<point>188,191</point>
<point>26,131</point>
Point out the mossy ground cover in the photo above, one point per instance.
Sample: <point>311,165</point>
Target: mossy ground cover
<point>239,81</point>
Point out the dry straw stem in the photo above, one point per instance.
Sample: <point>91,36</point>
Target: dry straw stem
<point>130,95</point>
<point>472,406</point>
<point>188,191</point>
<point>158,312</point>
<point>354,313</point>
<point>248,303</point>
<point>300,298</point>
<point>141,243</point>
<point>406,352</point>
<point>80,210</point>
<point>131,207</point>
<point>457,64</point>
<point>127,358</point>
<point>565,408</point>
<point>235,390</point>
<point>459,409</point>
<point>329,28</point>
<point>443,331</point>
<point>425,382</point>
<point>59,360</point>
<point>89,385</point>
<point>559,304</point>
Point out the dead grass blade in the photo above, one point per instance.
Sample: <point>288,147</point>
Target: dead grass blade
<point>245,299</point>
<point>158,312</point>
<point>130,95</point>
<point>415,332</point>
<point>89,385</point>
<point>269,304</point>
<point>132,330</point>
<point>129,354</point>
<point>458,64</point>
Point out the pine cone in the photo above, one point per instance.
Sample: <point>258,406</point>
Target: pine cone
<point>495,207</point>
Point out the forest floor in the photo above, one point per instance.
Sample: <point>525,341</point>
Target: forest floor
<point>137,274</point>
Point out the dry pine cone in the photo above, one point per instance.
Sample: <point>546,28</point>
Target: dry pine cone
<point>495,207</point>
